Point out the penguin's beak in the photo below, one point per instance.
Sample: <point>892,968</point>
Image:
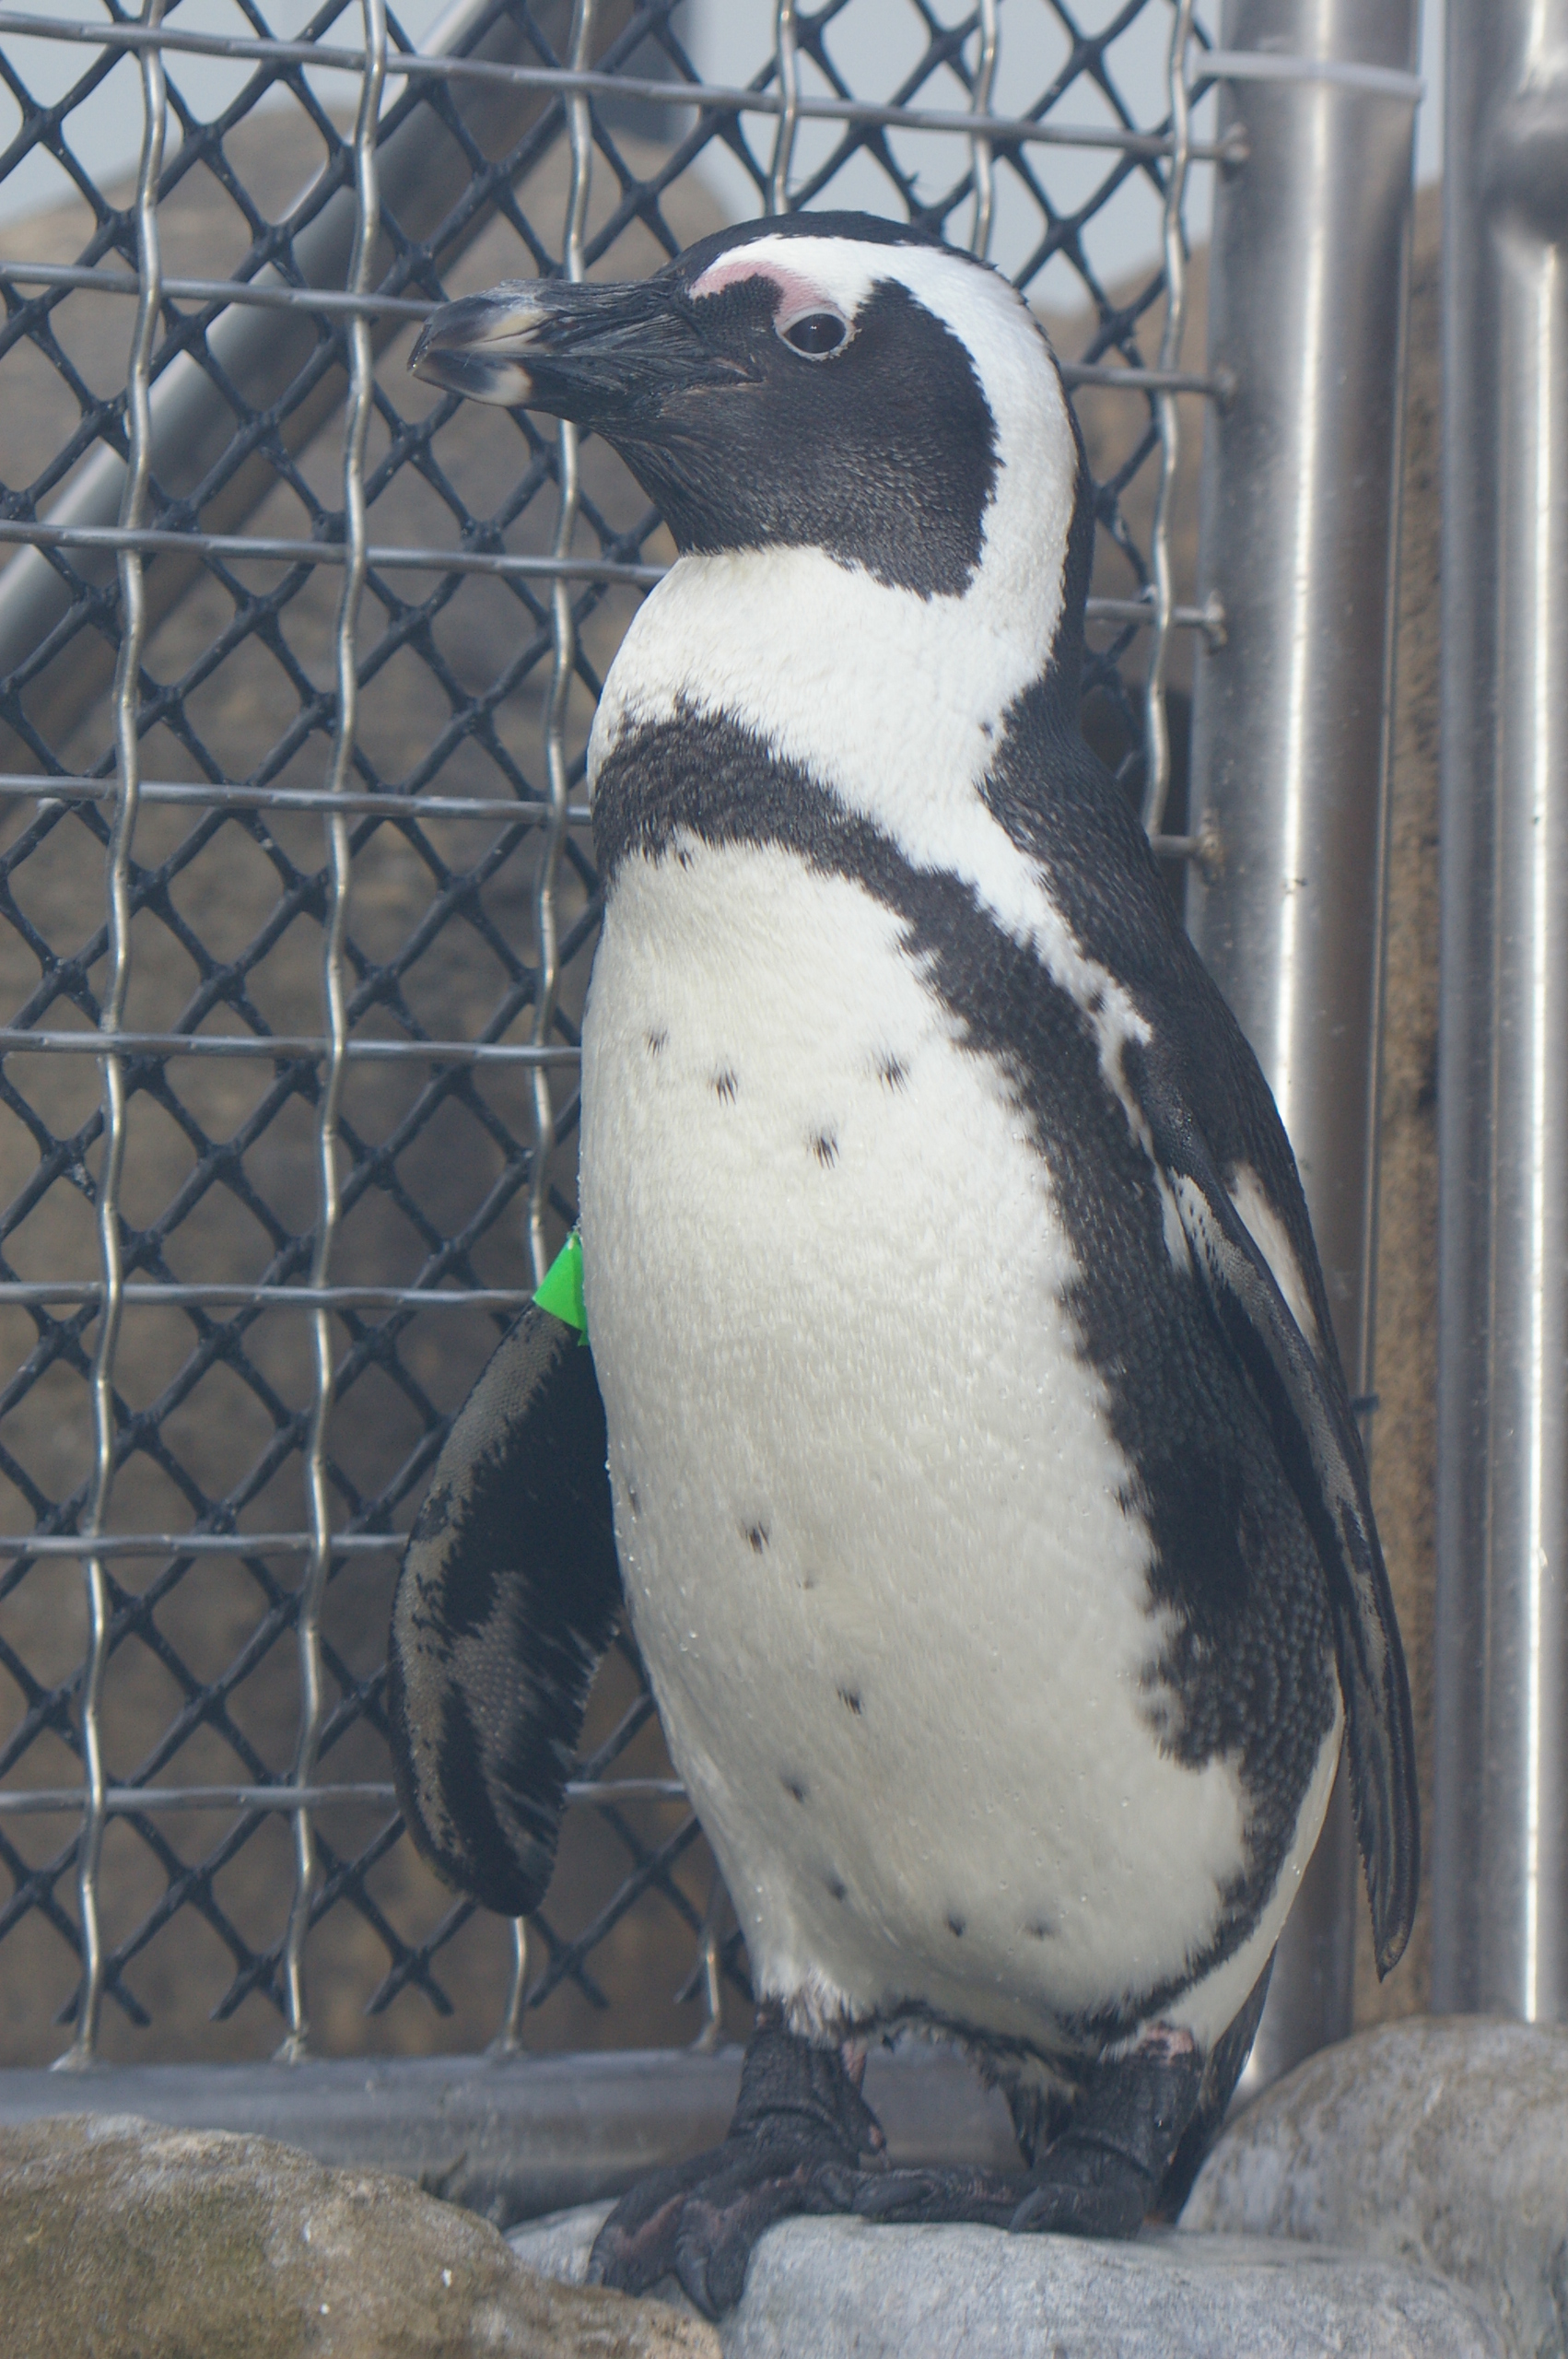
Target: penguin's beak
<point>480,346</point>
<point>605,356</point>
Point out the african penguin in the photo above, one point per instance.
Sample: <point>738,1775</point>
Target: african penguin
<point>981,1478</point>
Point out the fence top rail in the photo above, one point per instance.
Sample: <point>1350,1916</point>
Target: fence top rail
<point>706,98</point>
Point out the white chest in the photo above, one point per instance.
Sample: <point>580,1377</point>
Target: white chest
<point>868,1505</point>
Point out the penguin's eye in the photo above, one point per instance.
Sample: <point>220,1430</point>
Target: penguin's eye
<point>815,335</point>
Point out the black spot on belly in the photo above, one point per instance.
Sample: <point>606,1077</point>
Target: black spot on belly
<point>1040,1931</point>
<point>955,1925</point>
<point>757,1535</point>
<point>824,1147</point>
<point>851,1696</point>
<point>724,1086</point>
<point>836,1887</point>
<point>893,1071</point>
<point>633,1501</point>
<point>794,1787</point>
<point>657,1042</point>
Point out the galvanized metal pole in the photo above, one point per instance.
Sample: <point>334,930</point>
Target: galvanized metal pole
<point>1291,715</point>
<point>1501,1833</point>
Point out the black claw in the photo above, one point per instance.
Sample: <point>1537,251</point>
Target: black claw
<point>1078,2192</point>
<point>799,2131</point>
<point>1101,2177</point>
<point>799,2142</point>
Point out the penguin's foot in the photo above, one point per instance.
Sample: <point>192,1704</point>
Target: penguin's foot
<point>1099,2178</point>
<point>801,2127</point>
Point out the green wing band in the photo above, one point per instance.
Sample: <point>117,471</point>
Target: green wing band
<point>561,1294</point>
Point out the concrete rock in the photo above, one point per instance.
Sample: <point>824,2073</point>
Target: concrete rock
<point>120,2240</point>
<point>843,2289</point>
<point>1442,2141</point>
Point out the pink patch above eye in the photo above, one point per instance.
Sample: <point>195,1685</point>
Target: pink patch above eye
<point>798,293</point>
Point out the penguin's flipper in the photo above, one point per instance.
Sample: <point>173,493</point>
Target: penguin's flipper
<point>1321,1452</point>
<point>506,1599</point>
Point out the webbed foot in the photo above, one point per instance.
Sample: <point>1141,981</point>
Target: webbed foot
<point>1099,2178</point>
<point>800,2129</point>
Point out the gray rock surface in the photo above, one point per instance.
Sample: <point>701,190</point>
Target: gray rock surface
<point>120,2240</point>
<point>841,2289</point>
<point>1436,2141</point>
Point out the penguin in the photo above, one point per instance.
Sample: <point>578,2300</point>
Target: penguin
<point>960,1417</point>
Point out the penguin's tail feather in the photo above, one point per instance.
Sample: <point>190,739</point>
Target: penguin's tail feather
<point>507,1597</point>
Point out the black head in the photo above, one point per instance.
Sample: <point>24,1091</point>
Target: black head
<point>830,381</point>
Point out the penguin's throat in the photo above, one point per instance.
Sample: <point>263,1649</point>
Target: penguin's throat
<point>828,669</point>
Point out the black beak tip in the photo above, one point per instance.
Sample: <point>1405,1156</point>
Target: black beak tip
<point>475,347</point>
<point>477,376</point>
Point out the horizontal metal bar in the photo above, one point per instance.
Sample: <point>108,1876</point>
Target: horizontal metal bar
<point>705,98</point>
<point>1277,65</point>
<point>74,1544</point>
<point>1113,377</point>
<point>154,540</point>
<point>37,1801</point>
<point>268,297</point>
<point>512,2137</point>
<point>1208,619</point>
<point>225,1293</point>
<point>272,1046</point>
<point>1119,380</point>
<point>119,1800</point>
<point>503,811</point>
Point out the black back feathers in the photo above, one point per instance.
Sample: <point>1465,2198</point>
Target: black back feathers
<point>1321,1454</point>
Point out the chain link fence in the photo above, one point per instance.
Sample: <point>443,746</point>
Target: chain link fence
<point>297,667</point>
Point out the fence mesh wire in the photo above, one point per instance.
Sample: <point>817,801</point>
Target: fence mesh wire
<point>297,666</point>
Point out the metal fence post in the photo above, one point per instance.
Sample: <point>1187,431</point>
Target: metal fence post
<point>1291,715</point>
<point>1501,1847</point>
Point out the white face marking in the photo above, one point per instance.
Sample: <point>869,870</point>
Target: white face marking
<point>795,297</point>
<point>796,291</point>
<point>854,1357</point>
<point>1268,1232</point>
<point>735,270</point>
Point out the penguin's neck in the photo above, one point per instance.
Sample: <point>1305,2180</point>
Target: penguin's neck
<point>894,702</point>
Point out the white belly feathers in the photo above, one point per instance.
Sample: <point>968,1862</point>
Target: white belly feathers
<point>867,1500</point>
